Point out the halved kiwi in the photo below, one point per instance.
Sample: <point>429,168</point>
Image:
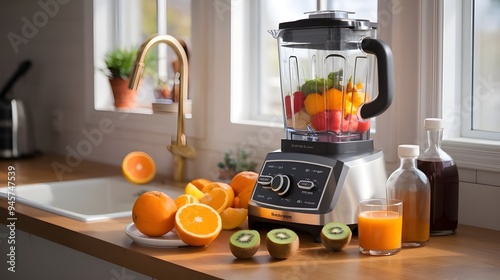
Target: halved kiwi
<point>282,243</point>
<point>244,243</point>
<point>335,236</point>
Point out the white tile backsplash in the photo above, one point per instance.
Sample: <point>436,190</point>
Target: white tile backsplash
<point>479,206</point>
<point>488,178</point>
<point>467,175</point>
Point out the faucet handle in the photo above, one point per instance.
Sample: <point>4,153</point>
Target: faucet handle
<point>184,151</point>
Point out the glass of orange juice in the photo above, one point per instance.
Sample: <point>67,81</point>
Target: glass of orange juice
<point>380,224</point>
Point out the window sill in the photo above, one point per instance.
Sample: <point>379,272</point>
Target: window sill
<point>474,153</point>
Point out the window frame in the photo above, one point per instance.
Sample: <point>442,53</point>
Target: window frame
<point>135,126</point>
<point>455,33</point>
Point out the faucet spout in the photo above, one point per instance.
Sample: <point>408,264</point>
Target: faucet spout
<point>179,148</point>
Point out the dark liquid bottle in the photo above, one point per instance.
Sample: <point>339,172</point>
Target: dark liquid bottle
<point>442,173</point>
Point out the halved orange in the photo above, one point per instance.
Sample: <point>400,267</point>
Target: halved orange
<point>233,217</point>
<point>184,199</point>
<point>153,213</point>
<point>225,187</point>
<point>197,224</point>
<point>217,198</point>
<point>200,183</point>
<point>138,167</point>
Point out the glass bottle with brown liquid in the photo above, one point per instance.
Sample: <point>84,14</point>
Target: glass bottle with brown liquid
<point>411,186</point>
<point>442,173</point>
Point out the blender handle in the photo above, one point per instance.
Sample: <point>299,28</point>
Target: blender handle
<point>385,67</point>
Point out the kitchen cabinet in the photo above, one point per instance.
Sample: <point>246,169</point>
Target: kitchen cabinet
<point>38,258</point>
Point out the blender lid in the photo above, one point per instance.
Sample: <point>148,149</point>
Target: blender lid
<point>329,18</point>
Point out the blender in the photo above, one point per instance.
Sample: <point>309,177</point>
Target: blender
<point>335,76</point>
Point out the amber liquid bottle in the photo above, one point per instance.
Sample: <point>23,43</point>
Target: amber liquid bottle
<point>411,186</point>
<point>442,173</point>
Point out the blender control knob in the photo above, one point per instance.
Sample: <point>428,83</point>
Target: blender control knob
<point>280,184</point>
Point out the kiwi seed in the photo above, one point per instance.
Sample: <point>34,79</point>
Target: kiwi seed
<point>282,243</point>
<point>244,243</point>
<point>335,236</point>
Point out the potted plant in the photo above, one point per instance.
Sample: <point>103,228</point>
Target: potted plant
<point>232,165</point>
<point>119,63</point>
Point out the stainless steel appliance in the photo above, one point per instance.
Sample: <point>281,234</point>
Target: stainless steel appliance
<point>335,77</point>
<point>16,131</point>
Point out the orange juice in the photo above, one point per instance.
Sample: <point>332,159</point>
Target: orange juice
<point>416,213</point>
<point>379,230</point>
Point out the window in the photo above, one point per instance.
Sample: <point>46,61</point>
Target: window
<point>470,106</point>
<point>255,82</point>
<point>469,86</point>
<point>484,99</point>
<point>126,24</point>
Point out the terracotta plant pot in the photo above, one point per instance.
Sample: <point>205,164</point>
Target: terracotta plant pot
<point>124,97</point>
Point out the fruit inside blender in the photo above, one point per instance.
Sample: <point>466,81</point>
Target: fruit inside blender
<point>326,109</point>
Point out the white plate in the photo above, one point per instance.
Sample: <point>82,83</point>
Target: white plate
<point>169,240</point>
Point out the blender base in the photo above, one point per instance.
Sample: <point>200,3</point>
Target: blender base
<point>322,189</point>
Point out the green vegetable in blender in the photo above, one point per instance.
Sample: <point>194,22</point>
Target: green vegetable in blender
<point>319,85</point>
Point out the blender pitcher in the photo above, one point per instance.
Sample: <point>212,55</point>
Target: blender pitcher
<point>335,76</point>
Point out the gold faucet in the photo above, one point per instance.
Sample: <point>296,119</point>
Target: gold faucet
<point>179,148</point>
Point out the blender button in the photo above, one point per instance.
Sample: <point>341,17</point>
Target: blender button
<point>265,180</point>
<point>305,185</point>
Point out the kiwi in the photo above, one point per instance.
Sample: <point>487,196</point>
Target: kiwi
<point>335,236</point>
<point>244,243</point>
<point>282,243</point>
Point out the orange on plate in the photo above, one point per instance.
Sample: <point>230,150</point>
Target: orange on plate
<point>217,198</point>
<point>200,183</point>
<point>233,217</point>
<point>225,187</point>
<point>153,213</point>
<point>138,167</point>
<point>197,224</point>
<point>243,198</point>
<point>243,180</point>
<point>193,190</point>
<point>184,199</point>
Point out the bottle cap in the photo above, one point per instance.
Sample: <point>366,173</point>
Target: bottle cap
<point>408,151</point>
<point>433,123</point>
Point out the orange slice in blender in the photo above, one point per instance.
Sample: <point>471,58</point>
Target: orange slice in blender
<point>333,99</point>
<point>314,103</point>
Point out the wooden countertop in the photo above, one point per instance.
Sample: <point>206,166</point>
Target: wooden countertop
<point>472,253</point>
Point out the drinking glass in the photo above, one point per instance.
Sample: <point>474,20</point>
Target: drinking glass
<point>380,223</point>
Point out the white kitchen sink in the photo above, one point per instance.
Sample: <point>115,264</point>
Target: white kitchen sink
<point>88,199</point>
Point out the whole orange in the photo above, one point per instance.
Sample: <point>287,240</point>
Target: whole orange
<point>243,198</point>
<point>153,213</point>
<point>243,180</point>
<point>200,183</point>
